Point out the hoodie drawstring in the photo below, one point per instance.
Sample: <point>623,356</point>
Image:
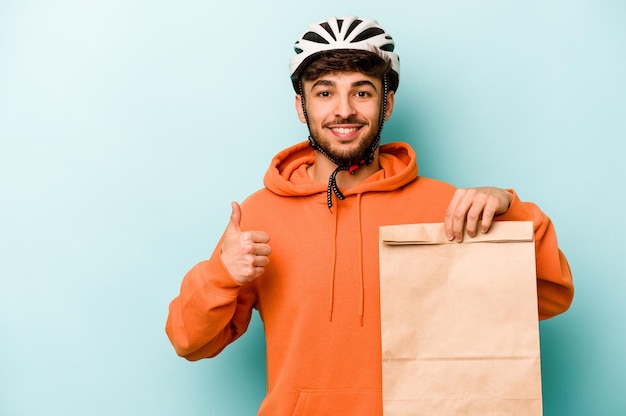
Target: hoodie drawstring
<point>361,278</point>
<point>334,264</point>
<point>332,183</point>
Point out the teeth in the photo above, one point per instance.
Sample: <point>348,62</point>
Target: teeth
<point>344,130</point>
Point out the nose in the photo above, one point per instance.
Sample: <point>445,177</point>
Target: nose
<point>345,107</point>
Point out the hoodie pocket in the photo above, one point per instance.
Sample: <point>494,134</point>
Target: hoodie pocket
<point>354,402</point>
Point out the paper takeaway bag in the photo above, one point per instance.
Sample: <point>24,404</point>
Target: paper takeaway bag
<point>460,333</point>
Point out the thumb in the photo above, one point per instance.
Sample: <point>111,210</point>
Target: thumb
<point>235,218</point>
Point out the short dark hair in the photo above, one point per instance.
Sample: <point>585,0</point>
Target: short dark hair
<point>346,60</point>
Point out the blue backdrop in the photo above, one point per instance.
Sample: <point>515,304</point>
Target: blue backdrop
<point>127,127</point>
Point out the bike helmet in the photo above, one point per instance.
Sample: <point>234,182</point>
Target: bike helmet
<point>344,33</point>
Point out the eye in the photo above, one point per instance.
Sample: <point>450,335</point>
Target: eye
<point>324,93</point>
<point>362,94</point>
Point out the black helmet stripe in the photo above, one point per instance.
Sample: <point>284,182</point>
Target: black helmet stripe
<point>389,47</point>
<point>314,37</point>
<point>368,33</point>
<point>327,27</point>
<point>353,26</point>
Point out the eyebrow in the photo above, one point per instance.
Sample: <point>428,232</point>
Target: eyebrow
<point>329,83</point>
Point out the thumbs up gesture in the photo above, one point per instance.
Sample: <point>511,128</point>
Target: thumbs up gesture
<point>244,253</point>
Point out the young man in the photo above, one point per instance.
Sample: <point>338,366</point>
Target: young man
<point>322,206</point>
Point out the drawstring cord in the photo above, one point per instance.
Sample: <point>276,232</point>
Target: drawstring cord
<point>361,278</point>
<point>332,184</point>
<point>333,271</point>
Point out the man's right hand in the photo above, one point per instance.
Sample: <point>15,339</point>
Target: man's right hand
<point>244,253</point>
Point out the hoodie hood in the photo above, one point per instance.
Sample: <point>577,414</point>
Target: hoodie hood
<point>287,175</point>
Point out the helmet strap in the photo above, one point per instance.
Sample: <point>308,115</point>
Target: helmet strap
<point>369,156</point>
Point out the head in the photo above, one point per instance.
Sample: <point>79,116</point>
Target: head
<point>342,103</point>
<point>346,46</point>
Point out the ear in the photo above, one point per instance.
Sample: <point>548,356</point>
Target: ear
<point>390,101</point>
<point>299,108</point>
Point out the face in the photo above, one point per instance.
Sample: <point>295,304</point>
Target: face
<point>344,113</point>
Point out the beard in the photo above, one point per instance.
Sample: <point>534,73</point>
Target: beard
<point>355,156</point>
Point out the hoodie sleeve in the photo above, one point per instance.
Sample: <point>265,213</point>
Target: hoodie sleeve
<point>211,311</point>
<point>555,288</point>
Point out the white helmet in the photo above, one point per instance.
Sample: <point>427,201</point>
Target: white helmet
<point>344,33</point>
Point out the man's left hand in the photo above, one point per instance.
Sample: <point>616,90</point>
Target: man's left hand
<point>471,207</point>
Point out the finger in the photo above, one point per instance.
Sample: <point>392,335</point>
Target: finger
<point>460,213</point>
<point>262,250</point>
<point>472,222</point>
<point>261,261</point>
<point>256,266</point>
<point>234,224</point>
<point>488,213</point>
<point>475,213</point>
<point>254,236</point>
<point>449,220</point>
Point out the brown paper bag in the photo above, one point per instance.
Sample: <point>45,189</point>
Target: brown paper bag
<point>460,333</point>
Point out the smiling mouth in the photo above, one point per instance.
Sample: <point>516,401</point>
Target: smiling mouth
<point>345,130</point>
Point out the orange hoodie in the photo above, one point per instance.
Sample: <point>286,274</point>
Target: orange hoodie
<point>319,296</point>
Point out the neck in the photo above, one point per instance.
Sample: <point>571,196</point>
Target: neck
<point>322,168</point>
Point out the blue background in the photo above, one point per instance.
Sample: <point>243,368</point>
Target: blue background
<point>127,127</point>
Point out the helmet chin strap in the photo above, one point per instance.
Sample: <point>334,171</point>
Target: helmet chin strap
<point>368,157</point>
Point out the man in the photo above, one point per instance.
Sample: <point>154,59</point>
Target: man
<point>322,206</point>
